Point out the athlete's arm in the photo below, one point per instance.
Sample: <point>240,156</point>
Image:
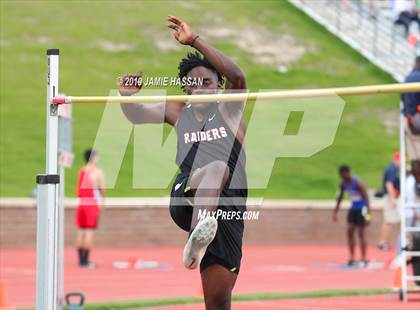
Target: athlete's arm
<point>362,188</point>
<point>337,206</point>
<point>139,113</point>
<point>101,185</point>
<point>79,183</point>
<point>393,194</point>
<point>223,64</point>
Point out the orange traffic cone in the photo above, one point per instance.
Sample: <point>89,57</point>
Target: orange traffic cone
<point>397,278</point>
<point>4,302</point>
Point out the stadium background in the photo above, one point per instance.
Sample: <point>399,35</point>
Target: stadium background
<point>120,37</point>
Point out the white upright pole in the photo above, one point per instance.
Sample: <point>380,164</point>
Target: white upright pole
<point>403,236</point>
<point>60,262</point>
<point>47,210</point>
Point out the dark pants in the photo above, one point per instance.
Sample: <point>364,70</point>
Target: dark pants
<point>406,18</point>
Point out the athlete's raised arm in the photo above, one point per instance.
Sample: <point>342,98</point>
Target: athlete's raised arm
<point>235,79</point>
<point>139,113</point>
<point>223,64</point>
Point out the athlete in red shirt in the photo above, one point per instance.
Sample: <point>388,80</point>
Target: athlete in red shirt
<point>91,193</point>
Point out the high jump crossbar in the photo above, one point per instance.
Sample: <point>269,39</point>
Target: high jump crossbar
<point>286,94</point>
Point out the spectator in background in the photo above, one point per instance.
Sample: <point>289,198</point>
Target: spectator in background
<point>91,193</point>
<point>359,214</point>
<point>412,214</point>
<point>406,12</point>
<point>411,111</point>
<point>391,184</point>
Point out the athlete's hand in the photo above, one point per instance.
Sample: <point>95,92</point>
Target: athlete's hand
<point>130,84</point>
<point>183,33</point>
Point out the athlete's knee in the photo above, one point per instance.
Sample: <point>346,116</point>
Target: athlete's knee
<point>218,301</point>
<point>218,169</point>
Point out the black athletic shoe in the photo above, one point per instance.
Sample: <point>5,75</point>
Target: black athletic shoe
<point>89,266</point>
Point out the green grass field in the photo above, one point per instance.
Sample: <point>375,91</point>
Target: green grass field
<point>136,304</point>
<point>102,40</point>
<point>132,305</point>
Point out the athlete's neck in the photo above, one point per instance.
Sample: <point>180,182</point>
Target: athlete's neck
<point>90,165</point>
<point>202,113</point>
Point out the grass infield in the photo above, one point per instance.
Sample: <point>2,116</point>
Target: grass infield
<point>99,41</point>
<point>131,305</point>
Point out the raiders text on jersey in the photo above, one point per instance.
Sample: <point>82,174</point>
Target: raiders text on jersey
<point>209,135</point>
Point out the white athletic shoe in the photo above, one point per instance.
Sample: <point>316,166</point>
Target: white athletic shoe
<point>200,238</point>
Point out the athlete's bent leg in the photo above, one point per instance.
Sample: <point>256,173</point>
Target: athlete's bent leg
<point>207,183</point>
<point>218,283</point>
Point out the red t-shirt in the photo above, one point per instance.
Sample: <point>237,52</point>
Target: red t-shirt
<point>86,189</point>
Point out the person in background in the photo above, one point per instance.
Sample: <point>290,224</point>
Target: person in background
<point>359,214</point>
<point>406,12</point>
<point>411,111</point>
<point>391,184</point>
<point>412,215</point>
<point>91,193</point>
<point>412,196</point>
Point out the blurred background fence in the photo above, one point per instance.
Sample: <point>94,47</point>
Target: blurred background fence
<point>370,27</point>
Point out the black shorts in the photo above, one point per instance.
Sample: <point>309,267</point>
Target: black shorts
<point>356,217</point>
<point>226,247</point>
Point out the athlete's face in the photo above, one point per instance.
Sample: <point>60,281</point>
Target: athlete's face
<point>345,176</point>
<point>94,159</point>
<point>207,84</point>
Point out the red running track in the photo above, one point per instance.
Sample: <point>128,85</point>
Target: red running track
<point>381,302</point>
<point>264,269</point>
